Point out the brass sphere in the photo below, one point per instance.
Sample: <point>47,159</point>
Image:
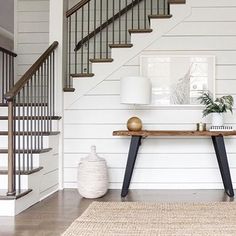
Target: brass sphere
<point>134,124</point>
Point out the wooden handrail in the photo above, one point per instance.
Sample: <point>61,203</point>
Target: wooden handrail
<point>109,21</point>
<point>76,7</point>
<point>8,52</point>
<point>29,73</point>
<point>84,2</point>
<point>105,24</point>
<point>42,73</point>
<point>103,19</point>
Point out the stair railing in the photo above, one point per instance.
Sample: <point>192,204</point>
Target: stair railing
<point>6,72</point>
<point>95,26</point>
<point>31,107</point>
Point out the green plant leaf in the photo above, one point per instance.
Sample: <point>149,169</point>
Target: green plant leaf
<point>220,105</point>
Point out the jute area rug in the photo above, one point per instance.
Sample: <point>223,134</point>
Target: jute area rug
<point>136,218</point>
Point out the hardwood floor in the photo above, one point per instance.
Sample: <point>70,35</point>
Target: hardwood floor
<point>54,214</point>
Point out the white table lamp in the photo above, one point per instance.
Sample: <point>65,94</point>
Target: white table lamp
<point>135,90</point>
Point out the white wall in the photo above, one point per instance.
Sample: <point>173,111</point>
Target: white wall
<point>6,24</point>
<point>31,32</point>
<point>6,43</point>
<point>7,15</point>
<point>164,162</point>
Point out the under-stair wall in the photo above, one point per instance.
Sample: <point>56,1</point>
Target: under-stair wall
<point>163,163</point>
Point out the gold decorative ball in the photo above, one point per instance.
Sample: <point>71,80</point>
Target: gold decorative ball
<point>134,124</point>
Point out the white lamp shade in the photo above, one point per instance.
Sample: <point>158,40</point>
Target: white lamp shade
<point>135,90</point>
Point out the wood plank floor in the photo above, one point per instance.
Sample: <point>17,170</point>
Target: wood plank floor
<point>53,215</point>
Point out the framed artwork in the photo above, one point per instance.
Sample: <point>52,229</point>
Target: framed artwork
<point>178,80</point>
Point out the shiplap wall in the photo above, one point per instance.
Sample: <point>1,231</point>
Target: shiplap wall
<point>31,32</point>
<point>164,162</point>
<point>31,40</point>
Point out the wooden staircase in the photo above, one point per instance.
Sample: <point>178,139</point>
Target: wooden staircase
<point>27,107</point>
<point>27,122</point>
<point>109,28</point>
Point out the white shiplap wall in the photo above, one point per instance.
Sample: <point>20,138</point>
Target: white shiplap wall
<point>31,40</point>
<point>164,162</point>
<point>31,32</point>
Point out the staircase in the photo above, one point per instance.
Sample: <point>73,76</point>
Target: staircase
<point>99,33</point>
<point>28,131</point>
<point>97,27</point>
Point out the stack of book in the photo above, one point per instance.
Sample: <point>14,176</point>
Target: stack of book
<point>221,128</point>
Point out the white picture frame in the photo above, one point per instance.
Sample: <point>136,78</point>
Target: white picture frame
<point>177,80</point>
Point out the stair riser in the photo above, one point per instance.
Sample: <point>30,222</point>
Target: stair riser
<point>47,160</point>
<point>30,111</point>
<point>4,160</point>
<point>24,182</point>
<point>30,140</point>
<point>3,111</point>
<point>28,125</point>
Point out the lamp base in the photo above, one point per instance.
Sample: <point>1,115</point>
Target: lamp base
<point>134,124</point>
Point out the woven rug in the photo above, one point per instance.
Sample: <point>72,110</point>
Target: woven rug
<point>136,218</point>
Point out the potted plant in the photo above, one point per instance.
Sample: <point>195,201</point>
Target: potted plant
<point>216,107</point>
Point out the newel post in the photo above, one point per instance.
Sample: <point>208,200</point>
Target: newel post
<point>11,160</point>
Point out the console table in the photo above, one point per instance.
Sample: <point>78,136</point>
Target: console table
<point>217,140</point>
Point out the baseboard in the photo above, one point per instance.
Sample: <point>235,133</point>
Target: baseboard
<point>46,193</point>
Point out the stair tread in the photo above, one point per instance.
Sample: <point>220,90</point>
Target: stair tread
<point>140,31</point>
<point>158,16</point>
<point>4,171</point>
<point>33,118</point>
<point>82,75</point>
<point>68,89</point>
<point>25,104</point>
<point>100,60</point>
<point>121,45</point>
<point>177,1</point>
<point>5,133</point>
<point>19,194</point>
<point>33,151</point>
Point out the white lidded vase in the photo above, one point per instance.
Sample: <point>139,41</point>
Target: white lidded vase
<point>92,176</point>
<point>217,119</point>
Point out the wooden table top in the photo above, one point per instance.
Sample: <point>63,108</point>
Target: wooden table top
<point>146,133</point>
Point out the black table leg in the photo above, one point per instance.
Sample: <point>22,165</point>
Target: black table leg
<point>218,142</point>
<point>133,151</point>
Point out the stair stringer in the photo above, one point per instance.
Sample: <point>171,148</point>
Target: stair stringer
<point>15,206</point>
<point>140,42</point>
<point>42,186</point>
